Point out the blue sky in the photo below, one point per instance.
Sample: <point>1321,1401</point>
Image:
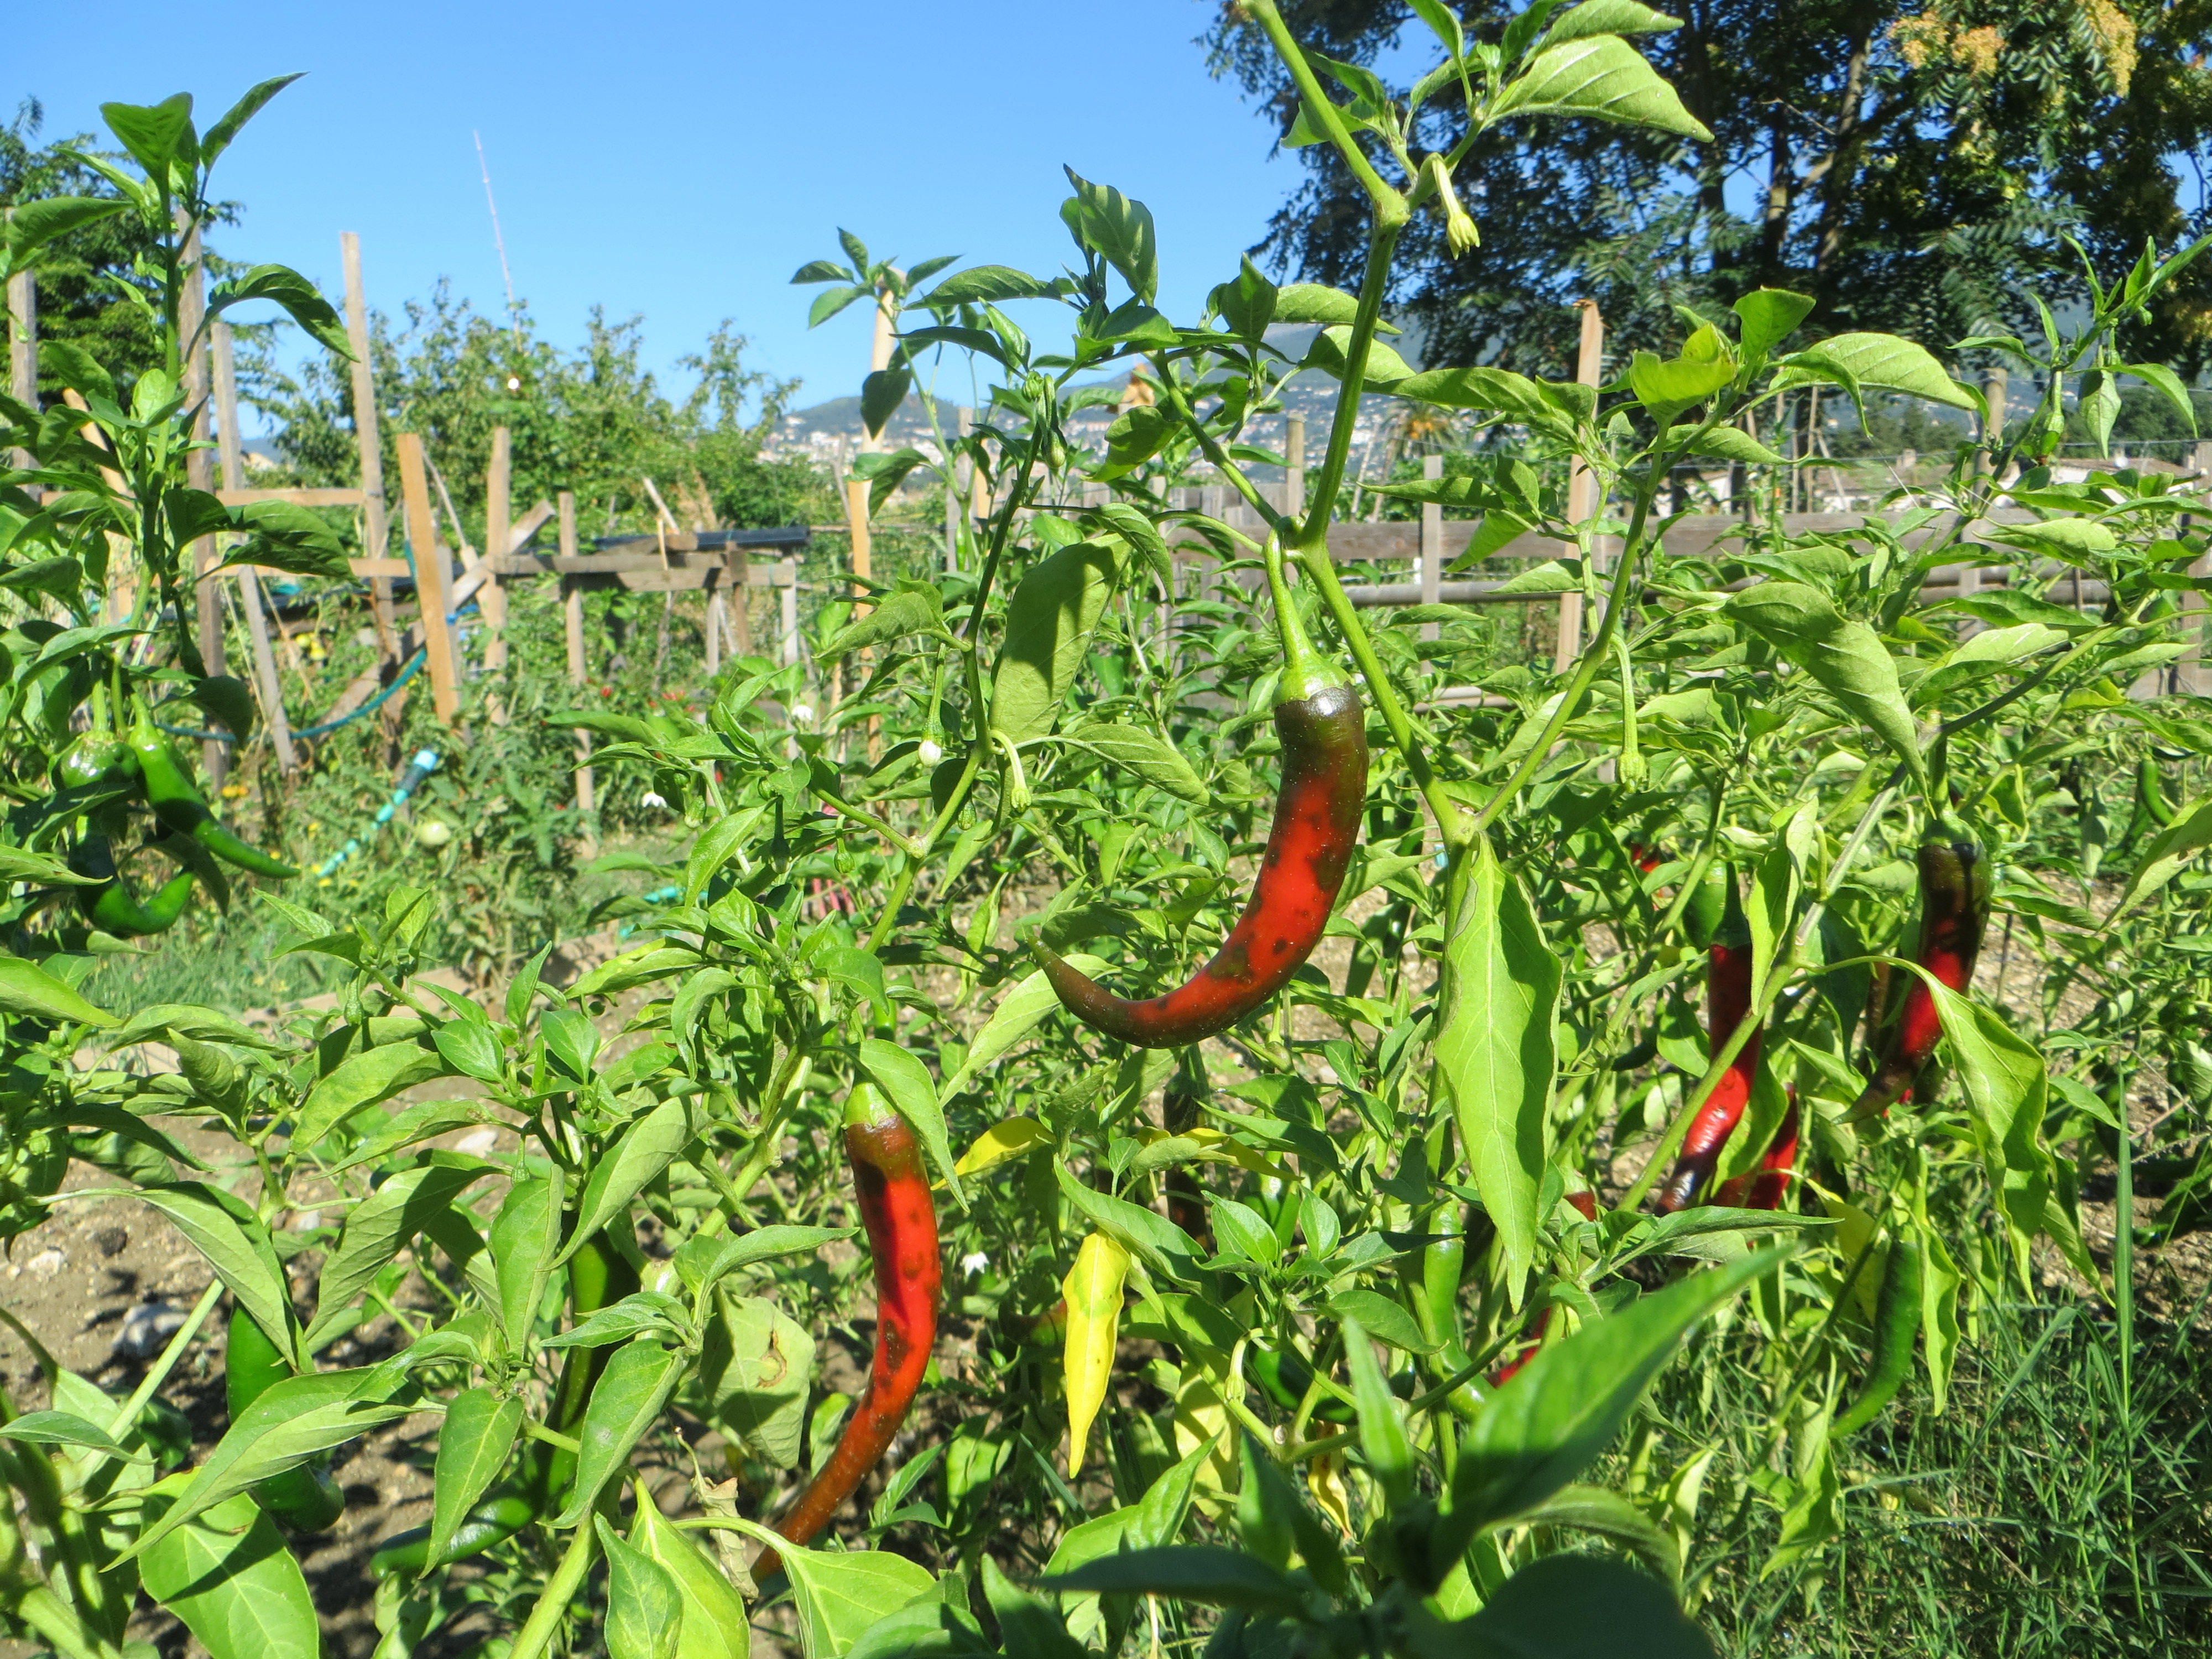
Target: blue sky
<point>680,160</point>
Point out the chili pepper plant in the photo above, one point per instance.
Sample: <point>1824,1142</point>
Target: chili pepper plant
<point>1259,1274</point>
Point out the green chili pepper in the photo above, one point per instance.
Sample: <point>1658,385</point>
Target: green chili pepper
<point>178,804</point>
<point>304,1499</point>
<point>598,1277</point>
<point>110,907</point>
<point>496,1519</point>
<point>96,757</point>
<point>1897,1316</point>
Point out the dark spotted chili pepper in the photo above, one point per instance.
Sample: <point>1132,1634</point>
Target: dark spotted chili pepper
<point>1955,909</point>
<point>895,1206</point>
<point>1727,999</point>
<point>1323,729</point>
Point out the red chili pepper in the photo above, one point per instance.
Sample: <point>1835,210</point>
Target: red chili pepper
<point>893,1188</point>
<point>1727,999</point>
<point>1646,859</point>
<point>1955,909</point>
<point>1766,1189</point>
<point>1324,732</point>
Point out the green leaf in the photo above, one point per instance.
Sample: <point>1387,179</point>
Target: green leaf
<point>2188,834</point>
<point>1030,1627</point>
<point>1603,77</point>
<point>1495,1048</point>
<point>625,1405</point>
<point>755,1369</point>
<point>1383,1442</point>
<point>1317,303</point>
<point>33,224</point>
<point>1138,434</point>
<point>909,610</point>
<point>1607,1513</point>
<point>155,135</point>
<point>1386,370</point>
<point>1498,389</point>
<point>645,1610</point>
<point>2007,1086</point>
<point>287,536</point>
<point>27,989</point>
<point>229,1577</point>
<point>1846,658</point>
<point>2074,541</point>
<point>881,394</point>
<point>382,1225</point>
<point>1570,1607</point>
<point>1153,1239</point>
<point>1156,1520</point>
<point>1767,316</point>
<point>1190,1573</point>
<point>291,1422</point>
<point>368,1079</point>
<point>1018,1013</point>
<point>987,285</point>
<point>1248,304</point>
<point>473,1446</point>
<point>1383,1320</point>
<point>236,1244</point>
<point>837,1597</point>
<point>1564,1407</point>
<point>525,1237</point>
<point>1885,360</point>
<point>1145,753</point>
<point>702,1263</point>
<point>56,1428</point>
<point>1050,623</point>
<point>647,1146</point>
<point>1667,388</point>
<point>298,296</point>
<point>1120,231</point>
<point>639,1313</point>
<point>906,1083</point>
<point>1608,17</point>
<point>1728,443</point>
<point>714,1624</point>
<point>218,137</point>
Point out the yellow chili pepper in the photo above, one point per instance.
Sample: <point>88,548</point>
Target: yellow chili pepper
<point>1093,1290</point>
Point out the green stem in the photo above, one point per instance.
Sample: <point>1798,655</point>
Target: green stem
<point>560,1590</point>
<point>1322,112</point>
<point>127,1414</point>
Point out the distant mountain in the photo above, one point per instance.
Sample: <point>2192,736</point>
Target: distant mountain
<point>830,431</point>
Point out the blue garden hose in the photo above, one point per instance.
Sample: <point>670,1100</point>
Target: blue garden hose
<point>424,763</point>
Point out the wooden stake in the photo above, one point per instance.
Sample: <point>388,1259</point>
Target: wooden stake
<point>431,584</point>
<point>499,515</point>
<point>1582,486</point>
<point>1432,545</point>
<point>199,474</point>
<point>743,572</point>
<point>956,487</point>
<point>249,585</point>
<point>572,616</point>
<point>375,513</point>
<point>23,346</point>
<point>1294,451</point>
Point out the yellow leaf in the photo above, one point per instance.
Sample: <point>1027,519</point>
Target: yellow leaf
<point>1220,1146</point>
<point>1854,1227</point>
<point>1001,1142</point>
<point>1093,1290</point>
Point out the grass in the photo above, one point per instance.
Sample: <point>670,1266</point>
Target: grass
<point>2035,1519</point>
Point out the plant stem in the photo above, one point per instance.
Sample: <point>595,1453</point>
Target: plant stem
<point>158,1373</point>
<point>560,1590</point>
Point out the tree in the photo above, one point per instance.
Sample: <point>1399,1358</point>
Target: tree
<point>1913,170</point>
<point>594,421</point>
